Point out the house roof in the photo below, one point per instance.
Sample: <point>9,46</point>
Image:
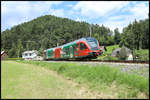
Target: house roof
<point>30,51</point>
<point>2,52</point>
<point>114,53</point>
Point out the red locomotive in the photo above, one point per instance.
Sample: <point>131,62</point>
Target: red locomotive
<point>84,48</point>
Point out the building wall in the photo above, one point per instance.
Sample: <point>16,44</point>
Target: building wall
<point>29,55</point>
<point>3,56</point>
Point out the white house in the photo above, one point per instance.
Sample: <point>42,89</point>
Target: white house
<point>38,58</point>
<point>29,55</point>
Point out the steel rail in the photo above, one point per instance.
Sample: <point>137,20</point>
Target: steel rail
<point>111,61</point>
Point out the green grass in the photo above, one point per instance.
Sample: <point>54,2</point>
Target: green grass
<point>111,48</point>
<point>142,54</point>
<point>20,80</point>
<point>99,78</point>
<point>106,54</point>
<point>14,59</point>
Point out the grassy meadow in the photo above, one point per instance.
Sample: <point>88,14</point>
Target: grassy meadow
<point>24,81</point>
<point>103,80</point>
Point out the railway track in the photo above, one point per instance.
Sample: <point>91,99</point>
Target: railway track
<point>134,67</point>
<point>117,61</point>
<point>108,61</point>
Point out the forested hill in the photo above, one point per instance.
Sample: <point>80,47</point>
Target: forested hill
<point>45,32</point>
<point>48,31</point>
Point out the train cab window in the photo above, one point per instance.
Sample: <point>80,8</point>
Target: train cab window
<point>82,46</point>
<point>76,47</point>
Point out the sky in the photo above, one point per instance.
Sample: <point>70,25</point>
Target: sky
<point>112,14</point>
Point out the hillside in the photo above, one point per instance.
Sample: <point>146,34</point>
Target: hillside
<point>45,32</point>
<point>49,31</point>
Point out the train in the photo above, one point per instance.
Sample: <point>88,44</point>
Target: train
<point>83,48</point>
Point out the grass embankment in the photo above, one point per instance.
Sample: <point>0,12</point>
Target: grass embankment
<point>102,79</point>
<point>142,54</point>
<point>106,54</point>
<point>20,80</point>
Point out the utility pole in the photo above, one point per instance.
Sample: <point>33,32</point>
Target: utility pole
<point>90,30</point>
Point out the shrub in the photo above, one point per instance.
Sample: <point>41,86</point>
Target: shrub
<point>15,59</point>
<point>123,53</point>
<point>110,58</point>
<point>142,54</point>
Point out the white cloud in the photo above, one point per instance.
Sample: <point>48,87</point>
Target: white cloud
<point>80,19</point>
<point>113,14</point>
<point>12,6</point>
<point>59,12</point>
<point>16,12</point>
<point>69,5</point>
<point>109,13</point>
<point>140,10</point>
<point>95,9</point>
<point>115,24</point>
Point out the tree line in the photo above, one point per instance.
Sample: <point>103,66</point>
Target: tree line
<point>47,31</point>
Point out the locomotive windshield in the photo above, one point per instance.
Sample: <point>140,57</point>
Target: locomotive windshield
<point>93,43</point>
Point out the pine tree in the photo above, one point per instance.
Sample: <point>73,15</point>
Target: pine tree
<point>123,53</point>
<point>19,48</point>
<point>117,36</point>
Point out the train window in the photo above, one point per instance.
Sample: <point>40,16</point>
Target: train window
<point>66,50</point>
<point>82,46</point>
<point>76,47</point>
<point>51,53</point>
<point>70,49</point>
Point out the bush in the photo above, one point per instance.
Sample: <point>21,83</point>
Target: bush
<point>15,59</point>
<point>142,54</point>
<point>123,53</point>
<point>110,58</point>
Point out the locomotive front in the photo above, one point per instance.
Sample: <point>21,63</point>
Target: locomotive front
<point>94,47</point>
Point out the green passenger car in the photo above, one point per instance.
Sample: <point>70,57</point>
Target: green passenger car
<point>49,54</point>
<point>68,50</point>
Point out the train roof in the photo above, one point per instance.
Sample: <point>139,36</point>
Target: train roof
<point>81,39</point>
<point>73,42</point>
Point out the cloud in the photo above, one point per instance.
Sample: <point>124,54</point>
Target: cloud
<point>80,19</point>
<point>95,9</point>
<point>140,10</point>
<point>114,24</point>
<point>16,12</point>
<point>113,14</point>
<point>70,5</point>
<point>59,12</point>
<point>109,13</point>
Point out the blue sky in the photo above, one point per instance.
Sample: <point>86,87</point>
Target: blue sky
<point>112,14</point>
